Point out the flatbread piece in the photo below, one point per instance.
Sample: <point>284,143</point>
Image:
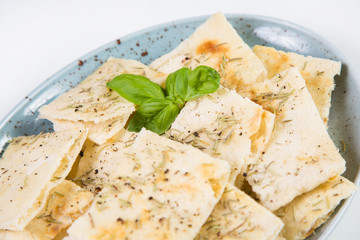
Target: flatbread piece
<point>92,104</point>
<point>224,125</point>
<point>308,211</point>
<point>66,202</point>
<point>161,189</point>
<point>300,155</point>
<point>216,44</point>
<point>318,73</point>
<point>238,216</point>
<point>30,167</point>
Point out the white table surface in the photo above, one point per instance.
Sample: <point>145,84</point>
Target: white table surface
<point>38,38</point>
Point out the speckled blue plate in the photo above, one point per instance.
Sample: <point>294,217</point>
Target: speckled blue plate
<point>151,43</point>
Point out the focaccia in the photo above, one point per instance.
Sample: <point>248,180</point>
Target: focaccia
<point>91,103</point>
<point>66,202</point>
<point>94,166</point>
<point>216,44</point>
<point>238,216</point>
<point>308,211</point>
<point>30,167</point>
<point>300,154</point>
<point>98,133</point>
<point>318,73</point>
<point>224,125</point>
<point>161,189</point>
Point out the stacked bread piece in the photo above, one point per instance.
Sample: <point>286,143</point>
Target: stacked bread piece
<point>251,161</point>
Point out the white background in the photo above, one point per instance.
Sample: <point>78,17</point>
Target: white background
<point>38,38</point>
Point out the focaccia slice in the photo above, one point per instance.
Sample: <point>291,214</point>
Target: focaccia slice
<point>13,235</point>
<point>238,216</point>
<point>91,103</point>
<point>168,196</point>
<point>318,73</point>
<point>308,211</point>
<point>216,44</point>
<point>66,202</point>
<point>30,167</point>
<point>224,125</point>
<point>95,167</point>
<point>98,133</point>
<point>300,155</point>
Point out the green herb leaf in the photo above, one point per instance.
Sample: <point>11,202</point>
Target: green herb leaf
<point>137,122</point>
<point>152,107</point>
<point>157,108</point>
<point>185,84</point>
<point>202,80</point>
<point>176,85</point>
<point>136,88</point>
<point>163,120</point>
<point>155,115</point>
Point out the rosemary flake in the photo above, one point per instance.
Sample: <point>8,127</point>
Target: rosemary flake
<point>51,198</point>
<point>220,44</point>
<point>235,59</point>
<point>317,203</point>
<point>305,64</point>
<point>344,145</point>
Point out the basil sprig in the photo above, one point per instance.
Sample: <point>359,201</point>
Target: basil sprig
<point>157,108</point>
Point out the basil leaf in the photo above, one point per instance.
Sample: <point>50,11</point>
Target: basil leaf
<point>163,120</point>
<point>152,107</point>
<point>157,108</point>
<point>202,80</point>
<point>137,122</point>
<point>136,88</point>
<point>176,85</point>
<point>147,112</point>
<point>185,84</point>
